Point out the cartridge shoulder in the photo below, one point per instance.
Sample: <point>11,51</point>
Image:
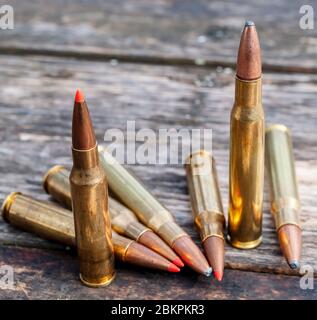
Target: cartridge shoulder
<point>87,177</point>
<point>247,114</point>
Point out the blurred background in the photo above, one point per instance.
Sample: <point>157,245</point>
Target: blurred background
<point>173,28</point>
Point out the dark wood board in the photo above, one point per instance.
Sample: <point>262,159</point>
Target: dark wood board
<point>36,100</point>
<point>47,274</point>
<point>164,31</point>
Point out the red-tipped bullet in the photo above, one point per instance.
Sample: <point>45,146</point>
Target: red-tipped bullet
<point>218,275</point>
<point>83,136</point>
<point>191,255</point>
<point>145,257</point>
<point>178,262</point>
<point>215,252</point>
<point>155,243</point>
<point>79,97</point>
<point>173,268</point>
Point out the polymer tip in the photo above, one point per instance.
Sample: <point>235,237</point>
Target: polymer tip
<point>173,268</point>
<point>294,265</point>
<point>79,96</point>
<point>249,23</point>
<point>178,262</point>
<point>218,275</point>
<point>208,272</point>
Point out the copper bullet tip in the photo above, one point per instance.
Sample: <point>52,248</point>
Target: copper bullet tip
<point>155,243</point>
<point>191,255</point>
<point>214,249</point>
<point>249,65</point>
<point>83,136</point>
<point>143,256</point>
<point>290,241</point>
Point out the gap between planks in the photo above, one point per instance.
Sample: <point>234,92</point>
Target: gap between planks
<point>150,59</point>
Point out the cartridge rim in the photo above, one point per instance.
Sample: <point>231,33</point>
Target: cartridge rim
<point>51,171</point>
<point>7,203</point>
<point>245,245</point>
<point>277,126</point>
<point>102,282</point>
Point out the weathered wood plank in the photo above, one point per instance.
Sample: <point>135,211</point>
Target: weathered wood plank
<point>40,274</point>
<point>36,105</point>
<point>176,30</point>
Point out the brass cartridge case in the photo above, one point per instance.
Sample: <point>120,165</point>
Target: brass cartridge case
<point>89,193</point>
<point>42,218</point>
<point>280,169</point>
<point>135,196</point>
<point>50,221</point>
<point>123,220</point>
<point>246,172</point>
<point>205,195</point>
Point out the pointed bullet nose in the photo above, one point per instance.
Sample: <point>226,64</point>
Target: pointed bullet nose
<point>249,65</point>
<point>218,275</point>
<point>191,255</point>
<point>83,136</point>
<point>154,242</point>
<point>79,97</point>
<point>178,262</point>
<point>290,241</point>
<point>173,268</point>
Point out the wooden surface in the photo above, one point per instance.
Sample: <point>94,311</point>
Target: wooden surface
<point>36,100</point>
<point>53,275</point>
<point>182,31</point>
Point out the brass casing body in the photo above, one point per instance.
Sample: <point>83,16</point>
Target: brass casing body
<point>123,220</point>
<point>135,196</point>
<point>50,221</point>
<point>246,172</point>
<point>42,218</point>
<point>280,169</point>
<point>205,195</point>
<point>89,193</point>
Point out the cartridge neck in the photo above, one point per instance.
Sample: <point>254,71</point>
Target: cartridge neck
<point>248,94</point>
<point>85,159</point>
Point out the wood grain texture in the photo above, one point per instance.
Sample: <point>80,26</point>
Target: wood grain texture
<point>36,106</point>
<point>176,31</point>
<point>40,274</point>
